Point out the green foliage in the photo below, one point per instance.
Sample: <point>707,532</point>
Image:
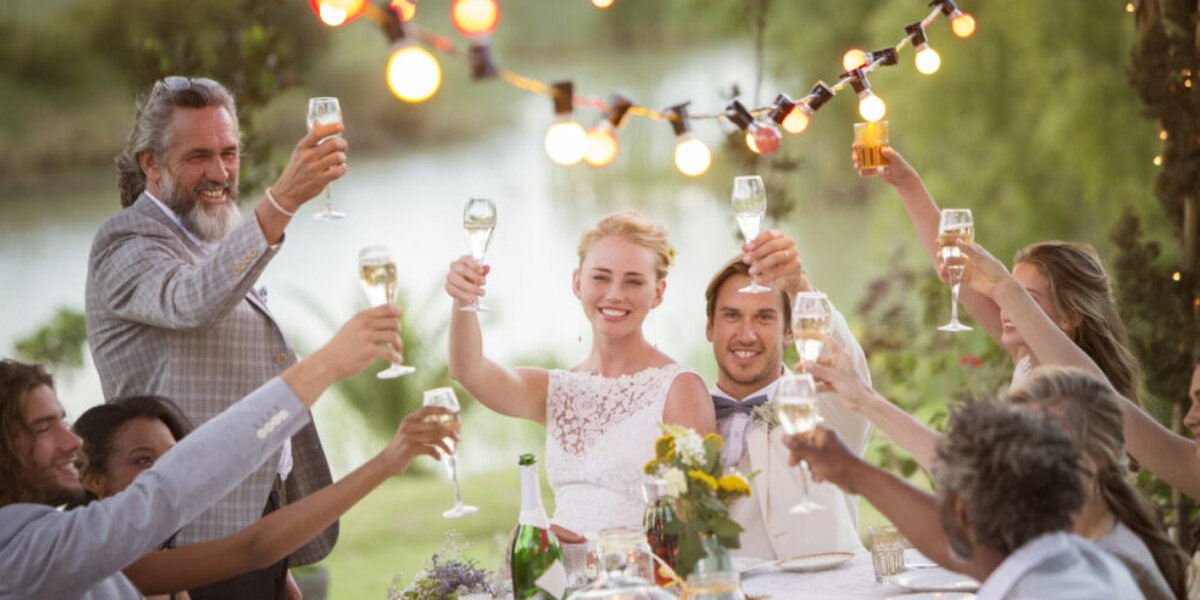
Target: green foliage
<point>58,343</point>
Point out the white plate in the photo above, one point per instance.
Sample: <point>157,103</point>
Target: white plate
<point>814,562</point>
<point>936,596</point>
<point>935,580</point>
<point>745,563</point>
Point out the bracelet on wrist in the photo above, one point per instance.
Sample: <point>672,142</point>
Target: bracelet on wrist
<point>271,199</point>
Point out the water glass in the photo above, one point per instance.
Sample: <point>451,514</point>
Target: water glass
<point>887,551</point>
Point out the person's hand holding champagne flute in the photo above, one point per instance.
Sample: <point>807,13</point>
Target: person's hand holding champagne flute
<point>325,111</point>
<point>377,273</point>
<point>445,398</point>
<point>749,206</point>
<point>955,225</point>
<point>479,221</point>
<point>796,408</point>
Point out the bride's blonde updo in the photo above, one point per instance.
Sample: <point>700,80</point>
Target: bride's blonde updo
<point>636,228</point>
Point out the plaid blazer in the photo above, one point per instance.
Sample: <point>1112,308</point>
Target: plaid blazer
<point>163,318</point>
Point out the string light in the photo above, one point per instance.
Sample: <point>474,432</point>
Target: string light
<point>961,23</point>
<point>692,156</point>
<point>927,60</point>
<point>602,139</point>
<point>406,8</point>
<point>853,59</point>
<point>338,12</point>
<point>793,117</point>
<point>870,106</point>
<point>475,17</point>
<point>566,141</point>
<point>602,3</point>
<point>413,74</point>
<point>760,137</point>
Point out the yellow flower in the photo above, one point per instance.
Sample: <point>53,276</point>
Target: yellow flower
<point>733,484</point>
<point>703,478</point>
<point>663,447</point>
<point>714,437</point>
<point>651,467</point>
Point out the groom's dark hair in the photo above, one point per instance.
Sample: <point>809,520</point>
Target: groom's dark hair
<point>735,266</point>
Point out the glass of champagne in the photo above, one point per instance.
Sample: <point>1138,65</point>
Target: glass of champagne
<point>479,220</point>
<point>796,407</point>
<point>749,206</point>
<point>377,273</point>
<point>445,398</point>
<point>955,225</point>
<point>812,314</point>
<point>325,111</point>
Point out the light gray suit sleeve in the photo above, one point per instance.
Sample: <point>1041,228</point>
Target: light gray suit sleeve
<point>140,276</point>
<point>63,554</point>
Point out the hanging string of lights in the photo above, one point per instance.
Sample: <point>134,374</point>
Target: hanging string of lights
<point>413,75</point>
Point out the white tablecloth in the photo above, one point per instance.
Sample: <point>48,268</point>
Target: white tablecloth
<point>853,580</point>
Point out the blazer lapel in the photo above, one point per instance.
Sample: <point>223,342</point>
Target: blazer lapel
<point>756,445</point>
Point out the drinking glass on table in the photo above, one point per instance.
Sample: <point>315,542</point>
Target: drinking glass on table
<point>796,407</point>
<point>325,111</point>
<point>749,205</point>
<point>479,220</point>
<point>445,398</point>
<point>811,316</point>
<point>955,225</point>
<point>377,273</point>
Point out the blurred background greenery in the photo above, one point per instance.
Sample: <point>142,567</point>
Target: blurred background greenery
<point>1032,123</point>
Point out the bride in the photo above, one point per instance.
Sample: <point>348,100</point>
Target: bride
<point>601,416</point>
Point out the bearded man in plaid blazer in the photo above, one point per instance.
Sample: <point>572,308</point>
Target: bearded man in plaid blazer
<point>171,307</point>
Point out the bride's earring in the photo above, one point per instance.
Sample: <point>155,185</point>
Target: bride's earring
<point>579,329</point>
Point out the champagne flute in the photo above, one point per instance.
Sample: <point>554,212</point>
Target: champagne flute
<point>955,225</point>
<point>377,272</point>
<point>479,220</point>
<point>445,398</point>
<point>812,314</point>
<point>796,407</point>
<point>749,206</point>
<point>325,111</point>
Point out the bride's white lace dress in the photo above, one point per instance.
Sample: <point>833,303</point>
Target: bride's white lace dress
<point>600,432</point>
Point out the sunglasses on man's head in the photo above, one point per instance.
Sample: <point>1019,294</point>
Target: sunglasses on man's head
<point>178,83</point>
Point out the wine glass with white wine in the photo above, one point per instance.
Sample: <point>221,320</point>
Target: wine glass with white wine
<point>325,111</point>
<point>796,407</point>
<point>377,273</point>
<point>479,220</point>
<point>811,317</point>
<point>749,205</point>
<point>956,224</point>
<point>445,398</point>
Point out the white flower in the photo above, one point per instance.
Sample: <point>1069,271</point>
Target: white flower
<point>690,448</point>
<point>676,482</point>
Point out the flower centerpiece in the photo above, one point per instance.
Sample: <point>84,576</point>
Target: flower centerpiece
<point>691,467</point>
<point>448,575</point>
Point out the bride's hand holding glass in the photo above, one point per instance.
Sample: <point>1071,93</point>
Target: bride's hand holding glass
<point>465,280</point>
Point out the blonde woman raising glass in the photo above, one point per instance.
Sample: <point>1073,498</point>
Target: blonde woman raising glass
<point>602,415</point>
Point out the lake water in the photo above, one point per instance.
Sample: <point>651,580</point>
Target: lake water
<point>412,201</point>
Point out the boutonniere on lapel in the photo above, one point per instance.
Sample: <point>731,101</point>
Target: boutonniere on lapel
<point>766,414</point>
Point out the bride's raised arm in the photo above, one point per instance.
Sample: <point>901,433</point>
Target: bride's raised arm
<point>519,392</point>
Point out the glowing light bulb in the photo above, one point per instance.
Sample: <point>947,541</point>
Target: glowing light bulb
<point>406,8</point>
<point>692,156</point>
<point>601,146</point>
<point>797,120</point>
<point>566,142</point>
<point>338,12</point>
<point>928,60</point>
<point>750,143</point>
<point>475,17</point>
<point>602,3</point>
<point>963,25</point>
<point>853,59</point>
<point>871,107</point>
<point>413,74</point>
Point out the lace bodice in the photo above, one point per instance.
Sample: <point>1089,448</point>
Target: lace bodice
<point>600,432</point>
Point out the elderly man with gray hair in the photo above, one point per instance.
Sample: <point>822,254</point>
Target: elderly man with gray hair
<point>171,306</point>
<point>1008,486</point>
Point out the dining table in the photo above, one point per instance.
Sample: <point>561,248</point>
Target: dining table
<point>852,580</point>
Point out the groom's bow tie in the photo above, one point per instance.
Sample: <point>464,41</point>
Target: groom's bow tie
<point>725,407</point>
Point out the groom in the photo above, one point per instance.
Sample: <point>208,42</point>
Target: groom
<point>748,333</point>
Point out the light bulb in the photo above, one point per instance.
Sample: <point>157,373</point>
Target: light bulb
<point>566,142</point>
<point>766,139</point>
<point>406,8</point>
<point>853,59</point>
<point>338,12</point>
<point>601,146</point>
<point>692,156</point>
<point>602,3</point>
<point>871,107</point>
<point>413,74</point>
<point>475,17</point>
<point>963,25</point>
<point>928,61</point>
<point>751,144</point>
<point>797,120</point>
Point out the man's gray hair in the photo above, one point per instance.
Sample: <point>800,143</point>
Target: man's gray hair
<point>152,126</point>
<point>1015,471</point>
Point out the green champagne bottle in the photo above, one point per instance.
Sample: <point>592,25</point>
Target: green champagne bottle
<point>537,567</point>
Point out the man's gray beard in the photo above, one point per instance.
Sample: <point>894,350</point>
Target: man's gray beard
<point>208,227</point>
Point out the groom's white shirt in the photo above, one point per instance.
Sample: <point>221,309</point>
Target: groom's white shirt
<point>771,532</point>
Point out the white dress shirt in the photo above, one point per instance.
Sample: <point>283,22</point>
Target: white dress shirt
<point>1061,566</point>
